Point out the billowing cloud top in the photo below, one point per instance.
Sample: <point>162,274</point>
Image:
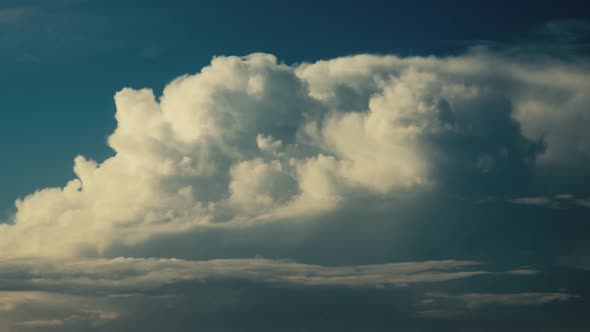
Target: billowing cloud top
<point>250,140</point>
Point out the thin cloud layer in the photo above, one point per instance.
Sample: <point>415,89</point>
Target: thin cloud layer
<point>451,305</point>
<point>38,310</point>
<point>75,294</point>
<point>556,201</point>
<point>250,140</point>
<point>129,275</point>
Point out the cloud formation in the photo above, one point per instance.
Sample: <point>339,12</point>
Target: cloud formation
<point>450,305</point>
<point>39,310</point>
<point>128,275</point>
<point>555,201</point>
<point>250,140</point>
<point>74,293</point>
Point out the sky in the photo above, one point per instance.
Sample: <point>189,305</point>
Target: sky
<point>294,166</point>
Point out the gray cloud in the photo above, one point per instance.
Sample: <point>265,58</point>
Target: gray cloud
<point>128,275</point>
<point>41,323</point>
<point>451,305</point>
<point>75,294</point>
<point>541,200</point>
<point>555,201</point>
<point>40,310</point>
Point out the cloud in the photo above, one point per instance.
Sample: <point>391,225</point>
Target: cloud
<point>557,201</point>
<point>76,294</point>
<point>32,309</point>
<point>450,305</point>
<point>541,200</point>
<point>41,323</point>
<point>564,196</point>
<point>584,202</point>
<point>14,15</point>
<point>12,299</point>
<point>479,300</point>
<point>251,140</point>
<point>132,275</point>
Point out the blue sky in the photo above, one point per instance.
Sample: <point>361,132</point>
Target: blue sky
<point>233,166</point>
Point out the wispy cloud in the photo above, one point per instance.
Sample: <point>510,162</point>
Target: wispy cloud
<point>41,323</point>
<point>540,201</point>
<point>556,201</point>
<point>585,202</point>
<point>16,15</point>
<point>82,292</point>
<point>39,309</point>
<point>450,305</point>
<point>128,275</point>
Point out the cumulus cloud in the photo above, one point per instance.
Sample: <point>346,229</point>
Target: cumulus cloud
<point>250,139</point>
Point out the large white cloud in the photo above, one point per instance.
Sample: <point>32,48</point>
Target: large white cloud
<point>249,139</point>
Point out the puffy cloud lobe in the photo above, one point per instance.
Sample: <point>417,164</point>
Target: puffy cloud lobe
<point>256,185</point>
<point>268,144</point>
<point>249,139</point>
